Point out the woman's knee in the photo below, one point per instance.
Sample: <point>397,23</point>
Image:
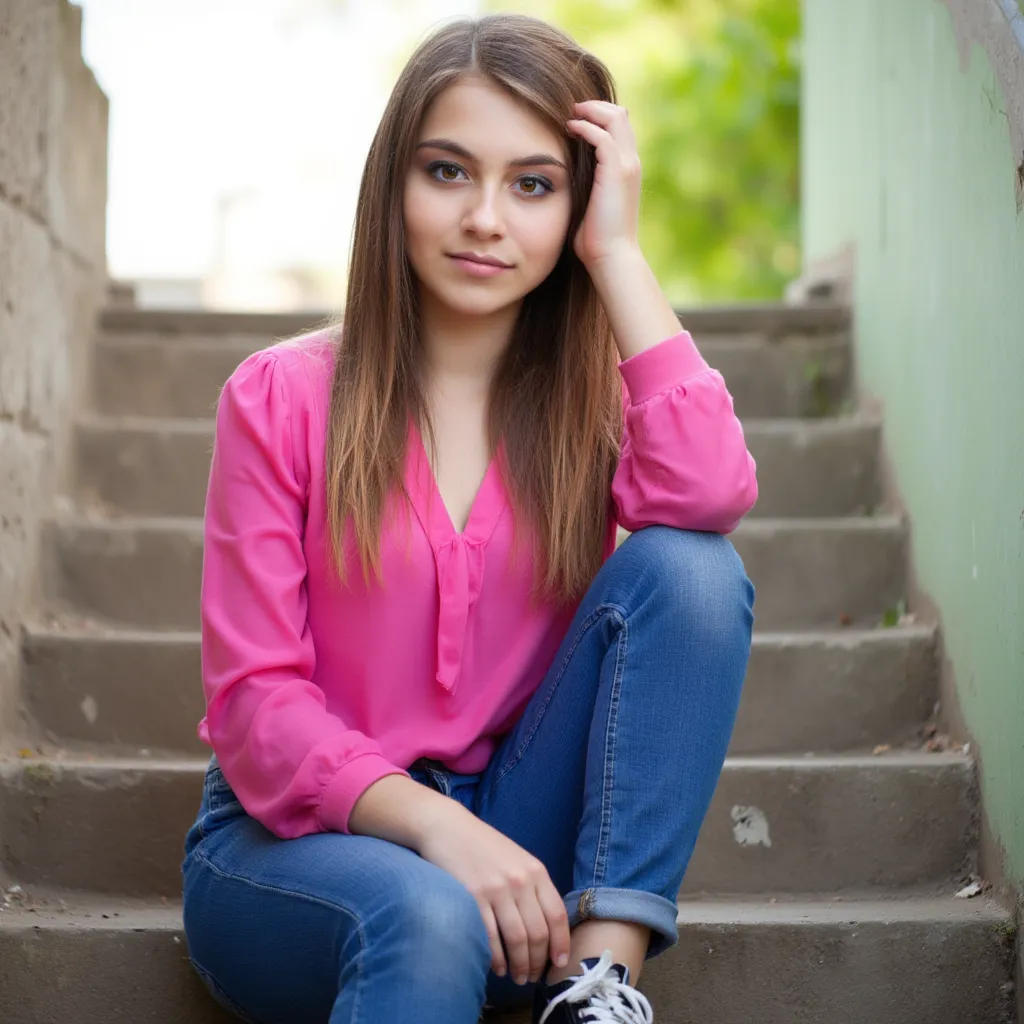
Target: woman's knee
<point>329,912</point>
<point>700,576</point>
<point>436,924</point>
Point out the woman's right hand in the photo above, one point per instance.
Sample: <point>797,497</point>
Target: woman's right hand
<point>518,901</point>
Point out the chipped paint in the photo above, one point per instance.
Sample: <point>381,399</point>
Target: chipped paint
<point>90,709</point>
<point>750,826</point>
<point>997,26</point>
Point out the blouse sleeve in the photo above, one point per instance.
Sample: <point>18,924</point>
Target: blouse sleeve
<point>294,766</point>
<point>684,461</point>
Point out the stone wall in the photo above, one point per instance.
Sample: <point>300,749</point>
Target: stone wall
<point>53,194</point>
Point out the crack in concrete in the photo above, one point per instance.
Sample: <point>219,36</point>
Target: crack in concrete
<point>20,206</point>
<point>27,423</point>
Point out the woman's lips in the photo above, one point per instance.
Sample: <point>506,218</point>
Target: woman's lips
<point>475,269</point>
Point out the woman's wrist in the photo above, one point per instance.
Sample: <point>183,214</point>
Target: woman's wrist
<point>639,314</point>
<point>402,811</point>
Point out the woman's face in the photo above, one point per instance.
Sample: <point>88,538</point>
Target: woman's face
<point>488,177</point>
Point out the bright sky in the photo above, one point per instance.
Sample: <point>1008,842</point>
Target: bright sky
<point>266,107</point>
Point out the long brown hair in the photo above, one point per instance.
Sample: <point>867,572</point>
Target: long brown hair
<point>555,398</point>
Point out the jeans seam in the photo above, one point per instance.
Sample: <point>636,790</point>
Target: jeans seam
<point>310,899</point>
<point>608,781</point>
<point>442,780</point>
<point>220,994</point>
<point>585,628</point>
<point>582,907</point>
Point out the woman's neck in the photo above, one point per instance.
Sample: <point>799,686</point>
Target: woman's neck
<point>464,348</point>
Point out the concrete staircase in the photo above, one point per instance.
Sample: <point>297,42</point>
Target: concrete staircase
<point>822,888</point>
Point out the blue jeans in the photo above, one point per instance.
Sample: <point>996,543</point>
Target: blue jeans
<point>606,778</point>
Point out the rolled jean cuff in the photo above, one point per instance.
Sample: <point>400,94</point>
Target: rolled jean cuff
<point>634,905</point>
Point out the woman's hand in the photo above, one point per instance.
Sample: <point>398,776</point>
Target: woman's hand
<point>517,899</point>
<point>611,223</point>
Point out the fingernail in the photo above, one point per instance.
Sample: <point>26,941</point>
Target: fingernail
<point>521,979</point>
<point>563,959</point>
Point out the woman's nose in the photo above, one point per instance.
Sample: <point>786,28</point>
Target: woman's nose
<point>484,214</point>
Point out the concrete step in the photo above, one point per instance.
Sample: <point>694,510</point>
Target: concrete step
<point>151,467</point>
<point>155,374</point>
<point>770,319</point>
<point>914,960</point>
<point>806,824</point>
<point>226,326</point>
<point>808,572</point>
<point>827,691</point>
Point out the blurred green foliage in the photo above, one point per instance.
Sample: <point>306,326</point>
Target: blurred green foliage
<point>713,90</point>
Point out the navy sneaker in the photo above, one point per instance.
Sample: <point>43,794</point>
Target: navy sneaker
<point>600,995</point>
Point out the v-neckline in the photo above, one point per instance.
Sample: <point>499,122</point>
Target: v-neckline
<point>484,510</point>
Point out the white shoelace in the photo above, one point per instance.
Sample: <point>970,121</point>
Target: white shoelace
<point>610,1001</point>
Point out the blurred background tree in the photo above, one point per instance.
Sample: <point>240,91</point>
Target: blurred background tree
<point>713,90</point>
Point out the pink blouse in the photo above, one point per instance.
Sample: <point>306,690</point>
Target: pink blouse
<point>315,691</point>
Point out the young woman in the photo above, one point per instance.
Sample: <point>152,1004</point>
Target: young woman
<point>462,745</point>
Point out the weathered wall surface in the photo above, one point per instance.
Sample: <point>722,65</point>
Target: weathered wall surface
<point>53,181</point>
<point>911,154</point>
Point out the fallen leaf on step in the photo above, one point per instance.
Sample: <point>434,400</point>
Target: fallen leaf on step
<point>845,620</point>
<point>882,748</point>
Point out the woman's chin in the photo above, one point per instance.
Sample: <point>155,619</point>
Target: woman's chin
<point>479,303</point>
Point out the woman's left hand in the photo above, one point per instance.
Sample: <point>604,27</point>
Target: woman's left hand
<point>610,224</point>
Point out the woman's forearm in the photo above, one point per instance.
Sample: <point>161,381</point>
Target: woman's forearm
<point>401,810</point>
<point>639,313</point>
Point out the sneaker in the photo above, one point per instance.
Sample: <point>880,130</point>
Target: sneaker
<point>600,995</point>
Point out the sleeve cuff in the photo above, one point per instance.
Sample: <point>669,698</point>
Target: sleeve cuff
<point>348,785</point>
<point>662,367</point>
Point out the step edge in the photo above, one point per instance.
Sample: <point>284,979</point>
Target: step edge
<point>127,339</point>
<point>850,424</point>
<point>882,523</point>
<point>892,761</point>
<point>37,634</point>
<point>754,910</point>
<point>804,316</point>
<point>880,636</point>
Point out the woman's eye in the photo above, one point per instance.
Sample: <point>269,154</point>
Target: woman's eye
<point>535,181</point>
<point>533,185</point>
<point>444,168</point>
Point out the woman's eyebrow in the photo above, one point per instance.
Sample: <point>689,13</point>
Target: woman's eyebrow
<point>537,159</point>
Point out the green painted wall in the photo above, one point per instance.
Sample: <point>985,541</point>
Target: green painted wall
<point>908,156</point>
